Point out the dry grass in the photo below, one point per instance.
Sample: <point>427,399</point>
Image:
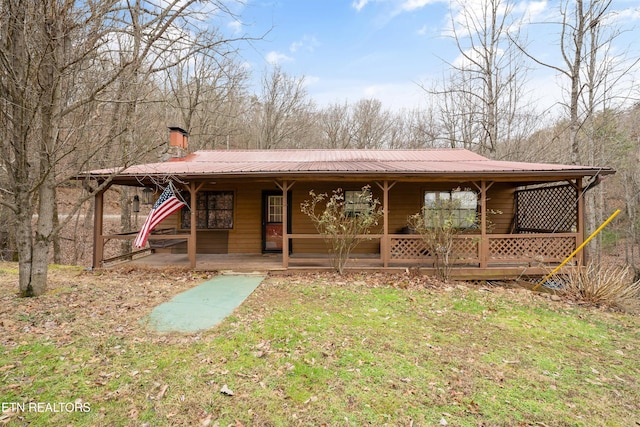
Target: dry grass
<point>603,286</point>
<point>316,349</point>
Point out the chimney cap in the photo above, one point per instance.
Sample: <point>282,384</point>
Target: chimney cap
<point>177,129</point>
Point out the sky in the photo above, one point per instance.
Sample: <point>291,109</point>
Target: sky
<point>348,50</point>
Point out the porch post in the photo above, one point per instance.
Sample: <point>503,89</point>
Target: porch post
<point>191,249</point>
<point>98,221</point>
<point>579,221</point>
<point>285,187</point>
<point>385,243</point>
<point>285,225</point>
<point>484,243</point>
<point>484,247</point>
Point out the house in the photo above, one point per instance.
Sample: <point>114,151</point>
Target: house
<point>247,203</point>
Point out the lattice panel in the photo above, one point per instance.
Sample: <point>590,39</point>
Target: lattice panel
<point>547,209</point>
<point>409,248</point>
<point>463,250</point>
<point>546,248</point>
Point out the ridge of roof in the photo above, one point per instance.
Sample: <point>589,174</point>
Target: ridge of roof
<point>332,155</point>
<point>449,161</point>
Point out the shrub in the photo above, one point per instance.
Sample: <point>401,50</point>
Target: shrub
<point>438,224</point>
<point>608,286</point>
<point>339,224</point>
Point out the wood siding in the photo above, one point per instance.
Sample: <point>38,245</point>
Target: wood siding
<point>500,201</point>
<point>301,224</point>
<point>405,199</point>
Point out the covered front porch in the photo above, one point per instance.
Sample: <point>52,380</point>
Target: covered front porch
<point>540,226</point>
<point>243,211</point>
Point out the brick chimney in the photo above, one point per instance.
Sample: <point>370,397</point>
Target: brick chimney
<point>178,141</point>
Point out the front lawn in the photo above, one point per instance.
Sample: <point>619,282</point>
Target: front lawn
<point>313,350</point>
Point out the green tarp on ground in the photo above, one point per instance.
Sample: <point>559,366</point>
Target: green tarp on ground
<point>204,306</point>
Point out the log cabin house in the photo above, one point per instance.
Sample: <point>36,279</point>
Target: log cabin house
<point>246,203</point>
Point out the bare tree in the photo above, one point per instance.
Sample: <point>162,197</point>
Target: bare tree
<point>597,78</point>
<point>336,126</point>
<point>629,178</point>
<point>598,82</point>
<point>206,96</point>
<point>370,124</point>
<point>458,112</point>
<point>485,87</point>
<point>284,111</point>
<point>577,25</point>
<point>59,67</point>
<point>364,124</point>
<point>416,128</point>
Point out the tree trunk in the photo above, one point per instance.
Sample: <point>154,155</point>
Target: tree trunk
<point>33,250</point>
<point>125,218</point>
<point>57,249</point>
<point>24,245</point>
<point>575,68</point>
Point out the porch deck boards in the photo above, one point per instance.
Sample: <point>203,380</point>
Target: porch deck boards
<point>210,262</point>
<point>272,263</point>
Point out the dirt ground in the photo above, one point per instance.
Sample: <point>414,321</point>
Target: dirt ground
<point>118,298</point>
<point>77,299</point>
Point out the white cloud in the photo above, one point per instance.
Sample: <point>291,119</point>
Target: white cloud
<point>466,61</point>
<point>622,16</point>
<point>359,4</point>
<point>235,26</point>
<point>532,11</point>
<point>311,80</point>
<point>394,96</point>
<point>307,43</point>
<point>275,58</point>
<point>410,5</point>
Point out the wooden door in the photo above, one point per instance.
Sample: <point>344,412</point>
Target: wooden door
<point>272,216</point>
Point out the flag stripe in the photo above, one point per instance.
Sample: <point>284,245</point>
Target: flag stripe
<point>166,204</point>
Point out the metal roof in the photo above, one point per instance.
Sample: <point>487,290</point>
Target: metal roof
<point>282,163</point>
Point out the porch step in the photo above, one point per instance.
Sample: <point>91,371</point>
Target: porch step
<point>242,273</point>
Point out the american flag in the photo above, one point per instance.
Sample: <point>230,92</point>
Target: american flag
<point>167,204</point>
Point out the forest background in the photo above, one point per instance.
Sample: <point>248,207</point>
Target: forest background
<point>94,84</point>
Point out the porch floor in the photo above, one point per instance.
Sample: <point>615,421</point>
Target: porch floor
<point>210,262</point>
<point>272,263</point>
<point>250,262</point>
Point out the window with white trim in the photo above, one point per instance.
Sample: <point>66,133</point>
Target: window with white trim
<point>357,202</point>
<point>458,206</point>
<point>275,207</point>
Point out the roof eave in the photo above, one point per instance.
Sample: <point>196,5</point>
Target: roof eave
<point>546,175</point>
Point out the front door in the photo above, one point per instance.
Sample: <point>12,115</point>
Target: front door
<point>272,221</point>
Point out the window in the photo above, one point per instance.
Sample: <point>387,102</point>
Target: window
<point>214,211</point>
<point>274,205</point>
<point>357,201</point>
<point>460,207</point>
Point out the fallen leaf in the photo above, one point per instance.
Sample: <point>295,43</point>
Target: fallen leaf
<point>226,390</point>
<point>162,392</point>
<point>206,421</point>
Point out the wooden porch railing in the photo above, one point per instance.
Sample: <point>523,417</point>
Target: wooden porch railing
<point>499,249</point>
<point>159,238</point>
